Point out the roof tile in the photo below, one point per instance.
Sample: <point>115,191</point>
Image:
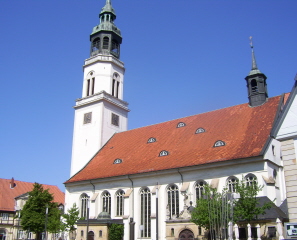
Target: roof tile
<point>244,129</point>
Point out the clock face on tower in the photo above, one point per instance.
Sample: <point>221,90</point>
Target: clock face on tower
<point>88,117</point>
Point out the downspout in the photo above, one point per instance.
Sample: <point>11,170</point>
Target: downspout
<point>181,176</point>
<point>93,186</point>
<point>132,213</point>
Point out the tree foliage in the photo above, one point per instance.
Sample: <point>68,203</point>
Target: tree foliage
<point>210,209</point>
<point>215,207</point>
<point>116,231</point>
<point>33,214</point>
<point>70,218</point>
<point>247,208</point>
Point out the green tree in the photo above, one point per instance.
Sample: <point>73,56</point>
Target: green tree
<point>210,209</point>
<point>247,207</point>
<point>116,231</point>
<point>214,209</point>
<point>70,218</point>
<point>33,214</point>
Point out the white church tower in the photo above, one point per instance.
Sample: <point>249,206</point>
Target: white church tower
<point>101,111</point>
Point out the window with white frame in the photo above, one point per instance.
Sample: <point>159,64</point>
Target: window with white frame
<point>251,180</point>
<point>200,189</point>
<point>106,202</point>
<point>84,205</point>
<point>145,215</point>
<point>5,216</point>
<point>231,184</point>
<point>173,200</point>
<point>120,202</point>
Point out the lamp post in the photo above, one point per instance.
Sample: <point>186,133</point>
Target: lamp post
<point>88,207</point>
<point>45,225</point>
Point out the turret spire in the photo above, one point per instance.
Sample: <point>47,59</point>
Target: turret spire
<point>254,63</point>
<point>256,83</point>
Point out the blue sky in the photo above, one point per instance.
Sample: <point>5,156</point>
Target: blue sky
<point>181,57</point>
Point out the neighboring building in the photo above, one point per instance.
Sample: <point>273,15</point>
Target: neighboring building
<point>286,133</point>
<point>13,194</point>
<point>146,178</point>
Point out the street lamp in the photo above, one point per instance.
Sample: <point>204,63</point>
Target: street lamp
<point>88,207</point>
<point>45,225</point>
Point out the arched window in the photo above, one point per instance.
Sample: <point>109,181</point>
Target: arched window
<point>200,130</point>
<point>231,184</point>
<point>106,202</point>
<point>115,85</point>
<point>117,161</point>
<point>251,180</point>
<point>254,85</point>
<point>96,45</point>
<point>82,233</point>
<point>90,84</point>
<point>115,47</point>
<point>105,42</point>
<point>200,189</point>
<point>163,153</point>
<point>219,143</point>
<point>120,202</point>
<point>151,140</point>
<point>145,215</point>
<point>173,200</point>
<point>181,124</point>
<point>84,205</point>
<point>100,233</point>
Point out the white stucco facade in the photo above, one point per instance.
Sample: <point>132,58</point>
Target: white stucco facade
<point>102,94</point>
<point>267,171</point>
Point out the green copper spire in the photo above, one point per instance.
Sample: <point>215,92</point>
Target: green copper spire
<point>107,17</point>
<point>108,8</point>
<point>255,69</point>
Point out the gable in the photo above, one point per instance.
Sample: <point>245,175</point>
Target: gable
<point>288,128</point>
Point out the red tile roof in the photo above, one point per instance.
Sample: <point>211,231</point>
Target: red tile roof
<point>244,129</point>
<point>7,194</point>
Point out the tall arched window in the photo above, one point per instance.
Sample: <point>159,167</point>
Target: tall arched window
<point>251,180</point>
<point>120,202</point>
<point>105,42</point>
<point>115,85</point>
<point>200,189</point>
<point>84,205</point>
<point>145,215</point>
<point>90,84</point>
<point>115,47</point>
<point>96,45</point>
<point>254,85</point>
<point>173,200</point>
<point>231,184</point>
<point>106,202</point>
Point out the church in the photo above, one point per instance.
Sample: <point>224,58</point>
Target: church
<point>148,178</point>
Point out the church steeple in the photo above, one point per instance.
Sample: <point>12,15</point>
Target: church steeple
<point>256,83</point>
<point>106,37</point>
<point>101,111</point>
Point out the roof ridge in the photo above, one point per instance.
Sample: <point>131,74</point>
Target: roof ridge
<point>191,115</point>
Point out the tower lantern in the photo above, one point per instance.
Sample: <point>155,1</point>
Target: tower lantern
<point>106,37</point>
